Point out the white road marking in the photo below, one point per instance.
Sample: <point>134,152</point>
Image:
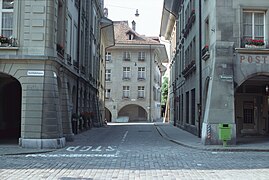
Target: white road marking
<point>85,148</point>
<point>91,148</point>
<point>71,155</point>
<point>109,148</point>
<point>72,148</point>
<point>98,149</point>
<point>124,137</point>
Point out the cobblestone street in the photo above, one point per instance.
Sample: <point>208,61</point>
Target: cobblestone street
<point>134,151</point>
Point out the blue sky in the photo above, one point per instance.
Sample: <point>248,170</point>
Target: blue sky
<point>149,20</point>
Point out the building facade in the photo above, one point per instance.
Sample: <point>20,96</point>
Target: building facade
<point>133,76</point>
<point>50,64</point>
<point>219,71</point>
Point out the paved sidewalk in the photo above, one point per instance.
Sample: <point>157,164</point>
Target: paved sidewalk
<point>14,149</point>
<point>184,138</point>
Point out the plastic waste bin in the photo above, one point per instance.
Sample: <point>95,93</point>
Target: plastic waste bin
<point>225,133</point>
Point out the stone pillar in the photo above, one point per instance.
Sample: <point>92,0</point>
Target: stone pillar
<point>114,113</point>
<point>41,116</point>
<point>219,106</point>
<point>66,110</point>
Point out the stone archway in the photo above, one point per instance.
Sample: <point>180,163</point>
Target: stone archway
<point>108,115</point>
<point>133,112</point>
<point>10,108</point>
<point>252,106</point>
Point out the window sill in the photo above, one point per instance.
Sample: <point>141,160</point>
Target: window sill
<point>9,48</point>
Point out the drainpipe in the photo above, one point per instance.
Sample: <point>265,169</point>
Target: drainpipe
<point>150,82</point>
<point>78,47</point>
<point>200,70</point>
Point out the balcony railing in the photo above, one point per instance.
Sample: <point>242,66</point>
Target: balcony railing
<point>189,69</point>
<point>189,23</point>
<point>83,69</point>
<point>75,64</point>
<point>68,58</point>
<point>60,50</point>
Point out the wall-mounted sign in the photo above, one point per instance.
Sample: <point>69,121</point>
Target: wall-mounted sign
<point>35,73</point>
<point>254,59</point>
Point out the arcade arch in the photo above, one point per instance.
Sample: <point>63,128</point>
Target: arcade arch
<point>10,108</point>
<point>134,112</point>
<point>252,106</point>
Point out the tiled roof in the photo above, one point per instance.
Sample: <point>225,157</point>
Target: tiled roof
<point>122,32</point>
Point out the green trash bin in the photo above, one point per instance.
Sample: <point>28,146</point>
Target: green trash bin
<point>225,133</point>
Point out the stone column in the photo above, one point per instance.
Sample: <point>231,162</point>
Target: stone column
<point>219,106</point>
<point>41,116</point>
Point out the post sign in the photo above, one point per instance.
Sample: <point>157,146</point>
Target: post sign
<point>254,59</point>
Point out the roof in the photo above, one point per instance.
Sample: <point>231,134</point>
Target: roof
<point>122,32</point>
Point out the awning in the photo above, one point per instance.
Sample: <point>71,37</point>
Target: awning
<point>169,16</point>
<point>107,29</point>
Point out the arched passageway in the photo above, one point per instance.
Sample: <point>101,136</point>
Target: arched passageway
<point>252,107</point>
<point>10,108</point>
<point>108,115</point>
<point>133,112</point>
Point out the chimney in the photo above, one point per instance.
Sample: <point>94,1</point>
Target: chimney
<point>133,25</point>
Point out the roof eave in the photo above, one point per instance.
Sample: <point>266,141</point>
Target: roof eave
<point>169,16</point>
<point>107,28</point>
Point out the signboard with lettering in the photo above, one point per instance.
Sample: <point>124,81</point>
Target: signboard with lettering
<point>35,73</point>
<point>254,59</point>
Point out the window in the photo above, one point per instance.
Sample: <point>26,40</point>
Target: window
<point>75,43</point>
<point>248,111</point>
<point>107,93</point>
<point>193,50</point>
<point>253,25</point>
<point>187,107</point>
<point>207,32</point>
<point>126,73</point>
<point>126,56</point>
<point>130,35</point>
<point>141,91</point>
<point>126,91</point>
<point>108,56</point>
<point>141,73</point>
<point>108,75</point>
<point>6,17</point>
<point>193,106</point>
<point>61,39</point>
<point>69,37</point>
<point>141,56</point>
<point>181,108</point>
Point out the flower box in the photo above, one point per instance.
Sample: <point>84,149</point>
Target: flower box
<point>254,46</point>
<point>254,42</point>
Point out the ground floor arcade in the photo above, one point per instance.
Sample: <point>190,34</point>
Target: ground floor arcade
<point>38,100</point>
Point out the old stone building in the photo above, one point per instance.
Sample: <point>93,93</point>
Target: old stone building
<point>50,68</point>
<point>219,66</point>
<point>133,76</point>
